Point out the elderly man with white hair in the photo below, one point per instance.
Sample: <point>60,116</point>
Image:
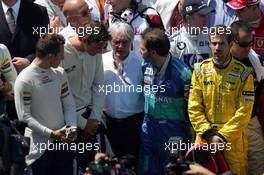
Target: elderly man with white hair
<point>124,104</point>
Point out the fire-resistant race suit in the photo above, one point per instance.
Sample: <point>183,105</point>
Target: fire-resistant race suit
<point>221,102</point>
<point>8,71</point>
<point>190,48</point>
<point>165,113</point>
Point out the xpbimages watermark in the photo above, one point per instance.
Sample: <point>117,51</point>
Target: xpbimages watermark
<point>116,88</point>
<point>80,31</point>
<point>61,146</point>
<point>181,146</point>
<point>197,30</point>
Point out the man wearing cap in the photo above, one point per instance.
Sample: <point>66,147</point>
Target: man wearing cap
<point>249,11</point>
<point>190,43</point>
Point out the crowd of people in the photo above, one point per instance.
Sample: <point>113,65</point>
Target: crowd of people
<point>131,77</point>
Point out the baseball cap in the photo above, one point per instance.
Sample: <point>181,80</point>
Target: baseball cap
<point>199,6</point>
<point>240,4</point>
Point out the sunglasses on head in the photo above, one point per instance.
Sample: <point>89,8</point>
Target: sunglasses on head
<point>244,44</point>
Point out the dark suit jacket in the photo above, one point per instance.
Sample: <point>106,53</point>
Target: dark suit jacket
<point>22,44</point>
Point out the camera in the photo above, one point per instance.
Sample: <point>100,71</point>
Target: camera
<point>69,130</point>
<point>110,166</point>
<point>176,165</point>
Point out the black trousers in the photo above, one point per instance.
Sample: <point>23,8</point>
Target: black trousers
<point>54,163</point>
<point>85,157</point>
<point>124,134</point>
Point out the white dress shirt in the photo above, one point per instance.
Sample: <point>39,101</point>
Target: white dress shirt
<point>122,102</point>
<point>95,13</point>
<point>15,8</point>
<point>53,10</point>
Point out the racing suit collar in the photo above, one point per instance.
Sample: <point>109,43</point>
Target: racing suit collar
<point>162,70</point>
<point>222,66</point>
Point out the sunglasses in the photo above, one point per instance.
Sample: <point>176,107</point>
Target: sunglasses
<point>244,44</point>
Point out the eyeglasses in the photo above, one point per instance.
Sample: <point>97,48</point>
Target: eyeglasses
<point>117,43</point>
<point>244,44</point>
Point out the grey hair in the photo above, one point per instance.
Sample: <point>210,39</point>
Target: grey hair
<point>123,29</point>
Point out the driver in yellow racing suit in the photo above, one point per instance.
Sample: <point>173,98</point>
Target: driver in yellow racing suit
<point>221,101</point>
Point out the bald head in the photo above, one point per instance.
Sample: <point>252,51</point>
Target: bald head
<point>72,6</point>
<point>77,12</point>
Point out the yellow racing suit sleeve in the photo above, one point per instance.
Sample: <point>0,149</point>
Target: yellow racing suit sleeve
<point>196,108</point>
<point>242,116</point>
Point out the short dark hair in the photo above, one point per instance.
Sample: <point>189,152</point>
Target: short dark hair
<point>99,32</point>
<point>221,30</point>
<point>49,44</point>
<point>238,26</point>
<point>157,40</point>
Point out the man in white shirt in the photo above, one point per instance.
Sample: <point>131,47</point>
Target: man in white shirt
<point>83,65</point>
<point>124,101</point>
<point>54,8</point>
<point>96,14</point>
<point>44,101</point>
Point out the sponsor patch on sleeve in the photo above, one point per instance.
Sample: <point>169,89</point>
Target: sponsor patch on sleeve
<point>6,66</point>
<point>27,97</point>
<point>231,74</point>
<point>148,80</point>
<point>149,71</point>
<point>248,99</point>
<point>248,93</point>
<point>64,90</point>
